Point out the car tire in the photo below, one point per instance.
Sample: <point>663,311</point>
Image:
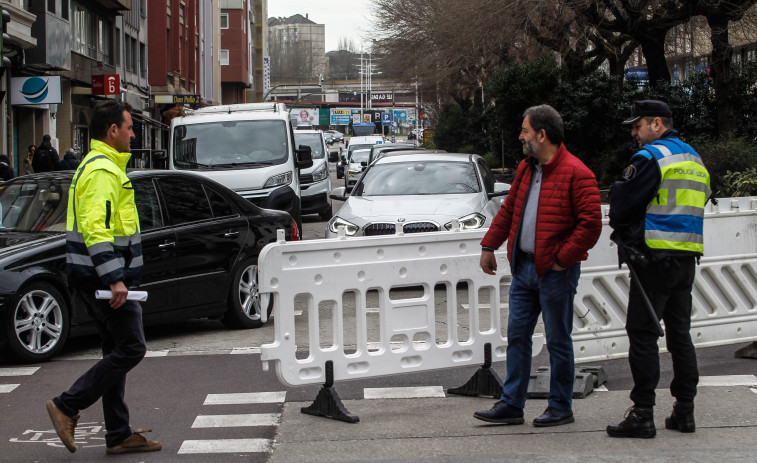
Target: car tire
<point>36,323</point>
<point>245,301</point>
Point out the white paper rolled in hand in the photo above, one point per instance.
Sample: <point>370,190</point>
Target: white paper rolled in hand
<point>131,296</point>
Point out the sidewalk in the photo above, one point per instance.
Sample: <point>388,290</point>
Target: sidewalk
<point>444,430</point>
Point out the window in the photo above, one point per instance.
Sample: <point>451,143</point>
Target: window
<point>220,205</point>
<point>142,60</point>
<point>224,57</point>
<point>183,202</point>
<point>182,13</point>
<point>224,20</point>
<point>91,35</point>
<point>148,207</point>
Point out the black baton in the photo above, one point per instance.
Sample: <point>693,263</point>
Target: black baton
<point>635,277</point>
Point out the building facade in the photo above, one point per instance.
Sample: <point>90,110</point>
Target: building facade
<point>297,46</point>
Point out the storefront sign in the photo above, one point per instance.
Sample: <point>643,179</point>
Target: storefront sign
<point>177,99</point>
<point>35,90</point>
<point>108,84</point>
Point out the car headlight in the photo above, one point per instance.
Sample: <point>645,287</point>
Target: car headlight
<point>349,228</point>
<point>320,173</point>
<point>469,222</point>
<point>277,180</point>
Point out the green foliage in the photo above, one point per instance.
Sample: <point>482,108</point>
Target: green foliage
<point>725,160</point>
<point>740,183</point>
<point>514,89</point>
<point>592,107</point>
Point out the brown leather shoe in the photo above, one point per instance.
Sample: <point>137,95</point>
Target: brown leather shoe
<point>64,425</point>
<point>135,443</point>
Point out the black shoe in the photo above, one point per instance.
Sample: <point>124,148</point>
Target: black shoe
<point>554,417</point>
<point>639,422</point>
<point>501,413</point>
<point>682,418</point>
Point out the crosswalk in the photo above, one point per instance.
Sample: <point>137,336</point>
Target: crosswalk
<point>244,402</point>
<point>252,425</point>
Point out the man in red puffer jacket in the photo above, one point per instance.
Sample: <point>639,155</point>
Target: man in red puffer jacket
<point>550,220</point>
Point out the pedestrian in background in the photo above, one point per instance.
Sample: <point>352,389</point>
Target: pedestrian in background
<point>69,161</point>
<point>6,171</point>
<point>27,164</point>
<point>46,158</point>
<point>550,220</point>
<point>103,251</point>
<point>657,211</point>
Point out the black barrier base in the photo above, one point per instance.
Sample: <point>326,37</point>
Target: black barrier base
<point>328,403</point>
<point>485,382</point>
<point>747,352</point>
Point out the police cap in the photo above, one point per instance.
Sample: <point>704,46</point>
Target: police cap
<point>648,108</point>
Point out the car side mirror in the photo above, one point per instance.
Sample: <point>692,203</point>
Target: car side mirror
<point>364,164</point>
<point>340,194</point>
<point>304,157</point>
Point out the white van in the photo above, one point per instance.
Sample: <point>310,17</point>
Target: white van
<point>315,181</point>
<point>249,148</point>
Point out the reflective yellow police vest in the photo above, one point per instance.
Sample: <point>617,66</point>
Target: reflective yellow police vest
<point>675,216</point>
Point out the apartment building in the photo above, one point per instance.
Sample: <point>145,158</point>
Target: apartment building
<point>297,46</point>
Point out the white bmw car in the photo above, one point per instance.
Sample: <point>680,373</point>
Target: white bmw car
<point>419,193</point>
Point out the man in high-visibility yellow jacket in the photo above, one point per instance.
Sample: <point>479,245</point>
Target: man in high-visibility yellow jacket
<point>104,251</point>
<point>657,212</point>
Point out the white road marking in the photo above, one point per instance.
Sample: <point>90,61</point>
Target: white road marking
<point>231,421</point>
<point>157,353</point>
<point>245,350</point>
<point>246,398</point>
<point>8,387</point>
<point>728,380</point>
<point>225,446</point>
<point>18,371</point>
<point>403,392</point>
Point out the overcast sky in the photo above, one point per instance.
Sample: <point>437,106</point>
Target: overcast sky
<point>342,18</point>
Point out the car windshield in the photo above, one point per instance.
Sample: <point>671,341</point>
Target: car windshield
<point>419,178</point>
<point>313,140</point>
<point>34,205</point>
<point>228,144</point>
<point>359,146</point>
<point>359,156</point>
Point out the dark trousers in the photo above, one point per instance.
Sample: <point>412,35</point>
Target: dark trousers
<point>668,285</point>
<point>123,346</point>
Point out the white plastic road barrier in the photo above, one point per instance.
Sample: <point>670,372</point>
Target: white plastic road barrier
<point>422,303</point>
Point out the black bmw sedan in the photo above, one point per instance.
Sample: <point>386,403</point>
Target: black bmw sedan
<point>200,244</point>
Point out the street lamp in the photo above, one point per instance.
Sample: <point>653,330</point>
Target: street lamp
<point>320,84</point>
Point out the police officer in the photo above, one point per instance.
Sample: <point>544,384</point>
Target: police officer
<point>657,212</point>
<point>104,251</point>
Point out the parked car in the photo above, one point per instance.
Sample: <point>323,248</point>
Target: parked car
<point>423,192</point>
<point>200,245</point>
<point>315,181</point>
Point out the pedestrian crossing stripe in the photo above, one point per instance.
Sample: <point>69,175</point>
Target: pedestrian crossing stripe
<point>403,392</point>
<point>728,380</point>
<point>246,398</point>
<point>8,387</point>
<point>18,371</point>
<point>225,446</point>
<point>231,421</point>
